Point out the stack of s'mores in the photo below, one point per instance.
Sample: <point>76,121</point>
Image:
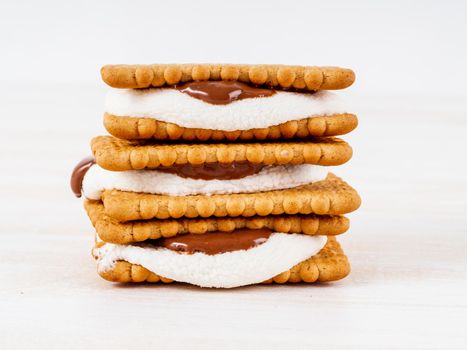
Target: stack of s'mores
<point>217,174</point>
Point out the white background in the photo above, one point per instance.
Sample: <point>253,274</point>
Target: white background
<point>407,242</point>
<point>399,47</point>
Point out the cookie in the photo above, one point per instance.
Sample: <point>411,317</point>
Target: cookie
<point>130,128</point>
<point>112,231</point>
<point>328,197</point>
<point>276,76</point>
<point>330,264</point>
<point>119,155</point>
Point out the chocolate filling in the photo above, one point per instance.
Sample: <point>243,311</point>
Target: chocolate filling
<point>211,171</point>
<point>222,92</point>
<point>207,171</point>
<point>215,242</point>
<point>77,176</point>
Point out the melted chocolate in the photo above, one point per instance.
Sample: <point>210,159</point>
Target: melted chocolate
<point>77,176</point>
<point>222,92</point>
<point>215,242</point>
<point>210,171</point>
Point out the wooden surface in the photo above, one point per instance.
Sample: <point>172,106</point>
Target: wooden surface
<point>407,244</point>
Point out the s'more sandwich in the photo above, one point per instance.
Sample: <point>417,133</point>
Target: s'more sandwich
<point>218,175</point>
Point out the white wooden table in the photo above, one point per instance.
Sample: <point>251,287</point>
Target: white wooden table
<point>407,244</point>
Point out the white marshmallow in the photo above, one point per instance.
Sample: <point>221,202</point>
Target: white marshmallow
<point>228,270</point>
<point>172,106</point>
<point>157,182</point>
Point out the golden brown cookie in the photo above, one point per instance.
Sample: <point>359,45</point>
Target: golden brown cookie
<point>131,128</point>
<point>112,231</point>
<point>330,264</point>
<point>328,197</point>
<point>119,155</point>
<point>278,76</point>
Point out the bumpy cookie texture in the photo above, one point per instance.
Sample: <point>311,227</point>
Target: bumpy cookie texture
<point>328,197</point>
<point>119,155</point>
<point>279,76</point>
<point>112,231</point>
<point>131,128</point>
<point>330,264</point>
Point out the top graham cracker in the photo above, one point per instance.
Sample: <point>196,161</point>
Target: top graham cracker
<point>272,75</point>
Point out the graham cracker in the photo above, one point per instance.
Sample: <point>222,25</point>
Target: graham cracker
<point>272,75</point>
<point>331,196</point>
<point>112,231</point>
<point>119,155</point>
<point>132,128</point>
<point>330,264</point>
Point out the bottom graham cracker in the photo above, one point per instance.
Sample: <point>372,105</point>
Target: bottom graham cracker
<point>330,264</point>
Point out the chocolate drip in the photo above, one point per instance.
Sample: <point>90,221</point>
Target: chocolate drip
<point>222,92</point>
<point>77,176</point>
<point>211,171</point>
<point>216,242</point>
